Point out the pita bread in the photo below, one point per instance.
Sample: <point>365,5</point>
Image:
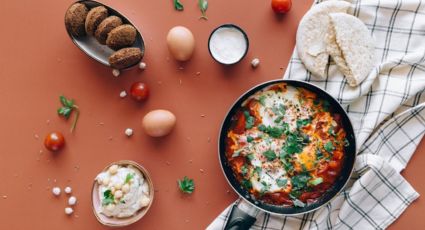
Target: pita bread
<point>311,35</point>
<point>351,47</point>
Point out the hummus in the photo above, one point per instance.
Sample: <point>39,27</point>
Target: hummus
<point>122,191</point>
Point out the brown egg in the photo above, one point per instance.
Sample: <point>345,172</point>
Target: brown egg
<point>181,43</point>
<point>158,123</point>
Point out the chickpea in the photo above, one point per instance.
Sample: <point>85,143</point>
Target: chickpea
<point>113,169</point>
<point>118,186</point>
<point>118,194</point>
<point>110,207</point>
<point>144,201</point>
<point>125,188</point>
<point>105,181</point>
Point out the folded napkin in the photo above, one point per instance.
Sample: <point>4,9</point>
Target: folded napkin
<point>387,112</point>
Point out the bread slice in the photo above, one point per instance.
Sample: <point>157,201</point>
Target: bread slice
<point>311,35</point>
<point>351,46</point>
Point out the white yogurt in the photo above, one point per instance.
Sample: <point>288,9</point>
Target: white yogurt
<point>228,45</point>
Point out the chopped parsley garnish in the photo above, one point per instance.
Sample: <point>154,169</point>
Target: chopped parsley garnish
<point>326,105</point>
<point>249,139</point>
<point>265,188</point>
<point>270,155</point>
<point>281,182</point>
<point>249,120</point>
<point>275,132</point>
<point>346,142</point>
<point>303,122</point>
<point>316,181</point>
<point>262,100</point>
<point>329,147</point>
<point>247,184</point>
<point>300,181</point>
<point>129,177</point>
<point>331,131</point>
<point>244,170</point>
<point>108,197</point>
<point>257,170</point>
<point>250,156</point>
<point>186,185</point>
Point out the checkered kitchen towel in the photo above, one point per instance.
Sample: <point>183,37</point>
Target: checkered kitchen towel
<point>387,111</point>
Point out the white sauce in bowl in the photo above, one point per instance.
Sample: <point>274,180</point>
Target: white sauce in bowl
<point>228,45</point>
<point>129,191</point>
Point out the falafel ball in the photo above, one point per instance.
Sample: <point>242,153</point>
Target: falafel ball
<point>105,27</point>
<point>125,57</point>
<point>122,36</point>
<point>75,18</point>
<point>94,18</point>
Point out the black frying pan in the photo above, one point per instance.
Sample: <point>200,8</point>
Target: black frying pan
<point>242,216</point>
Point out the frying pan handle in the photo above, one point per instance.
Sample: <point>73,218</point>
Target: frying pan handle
<point>241,217</point>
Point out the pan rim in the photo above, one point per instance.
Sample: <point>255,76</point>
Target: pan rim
<point>251,91</point>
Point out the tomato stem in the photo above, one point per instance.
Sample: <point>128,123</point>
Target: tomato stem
<point>77,114</point>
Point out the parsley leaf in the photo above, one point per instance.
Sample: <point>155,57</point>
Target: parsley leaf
<point>129,177</point>
<point>250,156</point>
<point>68,106</point>
<point>303,122</point>
<point>249,139</point>
<point>108,197</point>
<point>178,5</point>
<point>186,185</point>
<point>281,182</point>
<point>299,182</point>
<point>270,155</point>
<point>262,100</point>
<point>329,147</point>
<point>316,181</point>
<point>249,120</point>
<point>247,184</point>
<point>244,170</point>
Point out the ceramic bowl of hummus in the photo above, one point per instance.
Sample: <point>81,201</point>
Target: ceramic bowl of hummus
<point>122,194</point>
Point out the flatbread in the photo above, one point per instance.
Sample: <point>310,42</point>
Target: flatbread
<point>311,35</point>
<point>351,46</point>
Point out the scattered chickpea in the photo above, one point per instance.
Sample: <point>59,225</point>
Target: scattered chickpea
<point>115,72</point>
<point>123,94</point>
<point>56,191</point>
<point>69,210</point>
<point>72,200</point>
<point>68,190</point>
<point>142,65</point>
<point>255,62</point>
<point>128,132</point>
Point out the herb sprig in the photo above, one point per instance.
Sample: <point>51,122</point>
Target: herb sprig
<point>186,185</point>
<point>203,6</point>
<point>178,5</point>
<point>68,106</point>
<point>108,197</point>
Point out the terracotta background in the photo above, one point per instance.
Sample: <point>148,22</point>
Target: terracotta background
<point>38,62</point>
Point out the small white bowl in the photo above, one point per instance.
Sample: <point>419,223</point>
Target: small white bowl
<point>120,222</point>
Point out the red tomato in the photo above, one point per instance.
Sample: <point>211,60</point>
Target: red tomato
<point>281,6</point>
<point>139,91</point>
<point>54,141</point>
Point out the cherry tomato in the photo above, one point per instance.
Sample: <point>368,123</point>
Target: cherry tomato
<point>139,91</point>
<point>54,141</point>
<point>281,6</point>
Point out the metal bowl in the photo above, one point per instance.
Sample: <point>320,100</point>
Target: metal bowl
<point>90,46</point>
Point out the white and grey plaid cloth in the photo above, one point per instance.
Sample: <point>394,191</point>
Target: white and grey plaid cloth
<point>387,112</point>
